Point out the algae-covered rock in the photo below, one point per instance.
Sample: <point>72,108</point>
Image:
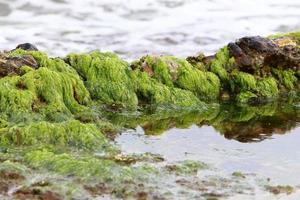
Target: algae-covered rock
<point>151,91</point>
<point>174,72</point>
<point>106,77</point>
<point>118,180</point>
<point>66,134</point>
<point>287,38</point>
<point>11,65</point>
<point>221,65</point>
<point>257,54</point>
<point>51,89</point>
<point>257,67</point>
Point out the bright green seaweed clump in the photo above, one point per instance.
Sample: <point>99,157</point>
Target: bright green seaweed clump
<point>106,77</point>
<point>222,65</point>
<point>267,87</point>
<point>287,78</point>
<point>247,86</point>
<point>150,91</point>
<point>174,72</point>
<point>65,134</point>
<point>206,85</point>
<point>52,89</point>
<point>87,167</point>
<point>161,68</point>
<point>113,82</point>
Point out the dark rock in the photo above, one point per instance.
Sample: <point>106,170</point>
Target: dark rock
<point>27,47</point>
<point>235,50</point>
<point>257,44</point>
<point>12,65</point>
<point>255,54</point>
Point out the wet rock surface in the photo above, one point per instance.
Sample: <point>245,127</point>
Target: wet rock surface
<point>12,65</point>
<point>27,47</point>
<point>253,54</point>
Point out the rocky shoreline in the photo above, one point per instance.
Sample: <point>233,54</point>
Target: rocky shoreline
<point>55,112</point>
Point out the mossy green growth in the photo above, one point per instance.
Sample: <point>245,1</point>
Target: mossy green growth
<point>9,166</point>
<point>206,85</point>
<point>161,68</point>
<point>54,64</point>
<point>287,78</point>
<point>222,65</point>
<point>151,91</point>
<point>244,85</point>
<point>106,77</point>
<point>53,88</point>
<point>66,134</point>
<point>175,72</point>
<point>238,174</point>
<point>244,97</point>
<point>187,167</point>
<point>243,81</point>
<point>85,167</point>
<point>267,87</point>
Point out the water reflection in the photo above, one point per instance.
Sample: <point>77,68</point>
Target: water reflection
<point>243,123</point>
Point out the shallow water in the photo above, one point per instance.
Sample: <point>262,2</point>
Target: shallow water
<point>262,141</point>
<point>134,28</point>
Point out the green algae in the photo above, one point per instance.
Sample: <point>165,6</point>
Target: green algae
<point>198,61</point>
<point>13,167</point>
<point>106,77</point>
<point>121,179</point>
<point>91,169</point>
<point>222,65</point>
<point>54,64</point>
<point>238,174</point>
<point>150,91</point>
<point>245,97</point>
<point>174,72</point>
<point>287,78</point>
<point>247,86</point>
<point>187,167</point>
<point>287,189</point>
<point>65,134</point>
<point>267,87</point>
<point>244,81</point>
<point>161,68</point>
<point>52,89</point>
<point>205,85</point>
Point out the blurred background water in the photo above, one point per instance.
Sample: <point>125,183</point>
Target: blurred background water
<point>134,28</point>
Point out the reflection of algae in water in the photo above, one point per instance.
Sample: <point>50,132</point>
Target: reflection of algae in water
<point>244,123</point>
